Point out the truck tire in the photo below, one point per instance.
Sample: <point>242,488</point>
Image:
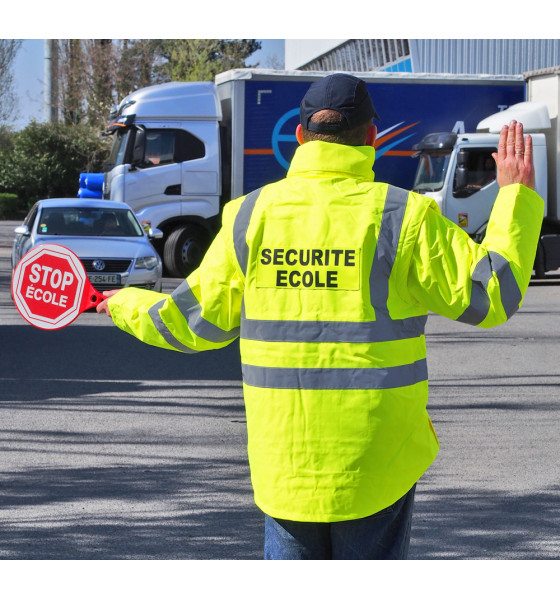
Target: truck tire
<point>539,265</point>
<point>184,249</point>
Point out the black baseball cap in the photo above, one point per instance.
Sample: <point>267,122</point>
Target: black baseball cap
<point>341,92</point>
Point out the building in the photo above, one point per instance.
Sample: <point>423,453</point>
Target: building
<point>459,56</point>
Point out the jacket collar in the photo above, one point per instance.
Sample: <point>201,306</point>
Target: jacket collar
<point>325,159</point>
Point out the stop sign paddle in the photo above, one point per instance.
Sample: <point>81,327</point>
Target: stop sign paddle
<point>50,287</point>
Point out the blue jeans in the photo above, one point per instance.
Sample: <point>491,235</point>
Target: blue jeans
<point>384,535</point>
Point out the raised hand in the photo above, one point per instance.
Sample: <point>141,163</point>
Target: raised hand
<point>514,158</point>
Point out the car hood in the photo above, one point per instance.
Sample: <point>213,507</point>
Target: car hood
<point>106,247</point>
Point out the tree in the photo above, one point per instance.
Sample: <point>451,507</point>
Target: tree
<point>86,76</point>
<point>95,74</point>
<point>71,81</point>
<point>8,103</point>
<point>101,84</point>
<point>202,60</point>
<point>137,64</point>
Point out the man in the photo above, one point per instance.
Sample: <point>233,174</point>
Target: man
<point>109,224</point>
<point>327,277</point>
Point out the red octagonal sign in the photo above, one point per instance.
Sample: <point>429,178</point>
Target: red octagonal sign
<point>50,287</point>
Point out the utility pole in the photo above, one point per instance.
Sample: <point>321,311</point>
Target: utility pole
<point>51,81</point>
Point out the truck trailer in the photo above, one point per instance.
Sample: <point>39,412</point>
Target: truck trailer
<point>181,150</point>
<point>457,170</point>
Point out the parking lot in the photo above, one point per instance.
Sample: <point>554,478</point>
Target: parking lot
<point>111,449</point>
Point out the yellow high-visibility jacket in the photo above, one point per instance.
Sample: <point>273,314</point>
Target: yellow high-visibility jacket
<point>327,277</point>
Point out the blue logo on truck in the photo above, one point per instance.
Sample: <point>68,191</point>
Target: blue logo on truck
<point>290,138</point>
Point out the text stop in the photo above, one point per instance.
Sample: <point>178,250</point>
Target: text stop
<point>48,286</point>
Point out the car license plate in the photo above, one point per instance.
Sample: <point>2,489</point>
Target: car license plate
<point>105,278</point>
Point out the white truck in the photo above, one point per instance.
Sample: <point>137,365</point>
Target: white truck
<point>181,150</point>
<point>458,171</point>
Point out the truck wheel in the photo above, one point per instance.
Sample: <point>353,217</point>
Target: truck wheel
<point>539,265</point>
<point>184,250</point>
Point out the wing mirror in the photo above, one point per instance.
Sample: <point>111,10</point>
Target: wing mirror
<point>22,230</point>
<point>139,147</point>
<point>461,171</point>
<point>154,233</point>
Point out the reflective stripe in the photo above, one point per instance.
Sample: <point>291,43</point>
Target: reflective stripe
<point>240,228</point>
<point>191,310</point>
<point>510,293</point>
<point>164,332</point>
<point>479,305</point>
<point>336,379</point>
<point>386,248</point>
<point>383,330</point>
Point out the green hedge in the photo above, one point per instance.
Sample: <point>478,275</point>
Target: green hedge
<point>45,160</point>
<point>9,206</point>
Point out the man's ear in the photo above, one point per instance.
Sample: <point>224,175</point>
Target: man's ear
<point>299,134</point>
<point>371,135</point>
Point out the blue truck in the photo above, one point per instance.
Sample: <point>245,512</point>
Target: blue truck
<point>181,150</point>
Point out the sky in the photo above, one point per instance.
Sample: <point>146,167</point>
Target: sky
<point>29,75</point>
<point>243,19</point>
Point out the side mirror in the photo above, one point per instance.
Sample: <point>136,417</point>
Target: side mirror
<point>22,230</point>
<point>139,147</point>
<point>462,157</point>
<point>154,233</point>
<point>461,171</point>
<point>460,177</point>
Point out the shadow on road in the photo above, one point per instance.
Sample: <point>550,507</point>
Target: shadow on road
<point>451,525</point>
<point>459,523</point>
<point>105,353</point>
<point>168,512</point>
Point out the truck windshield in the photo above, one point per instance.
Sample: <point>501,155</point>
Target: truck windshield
<point>119,146</point>
<point>431,171</point>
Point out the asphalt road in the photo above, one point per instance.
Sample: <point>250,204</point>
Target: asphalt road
<point>111,449</point>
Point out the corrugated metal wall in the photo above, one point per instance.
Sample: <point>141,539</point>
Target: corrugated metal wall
<point>497,57</point>
<point>360,55</point>
<point>468,56</point>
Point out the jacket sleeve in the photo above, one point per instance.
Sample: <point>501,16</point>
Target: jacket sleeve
<point>479,284</point>
<point>203,313</point>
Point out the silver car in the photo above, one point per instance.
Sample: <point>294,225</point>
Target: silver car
<point>107,237</point>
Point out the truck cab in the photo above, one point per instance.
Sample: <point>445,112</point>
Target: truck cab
<point>165,162</point>
<point>459,173</point>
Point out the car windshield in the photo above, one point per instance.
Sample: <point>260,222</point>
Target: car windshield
<point>88,221</point>
<point>431,171</point>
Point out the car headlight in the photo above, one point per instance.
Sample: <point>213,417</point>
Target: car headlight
<point>146,262</point>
